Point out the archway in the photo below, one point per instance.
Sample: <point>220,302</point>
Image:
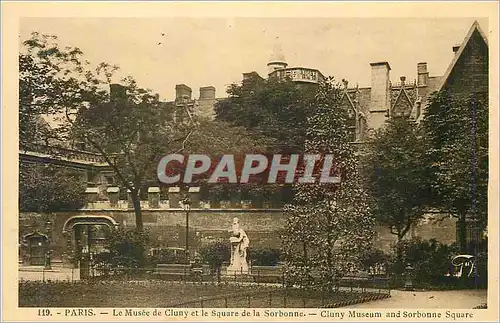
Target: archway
<point>86,234</point>
<point>89,220</point>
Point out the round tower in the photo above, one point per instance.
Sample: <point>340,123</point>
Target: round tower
<point>277,60</point>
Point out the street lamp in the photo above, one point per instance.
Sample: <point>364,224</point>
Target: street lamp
<point>409,270</point>
<point>48,228</point>
<point>186,205</point>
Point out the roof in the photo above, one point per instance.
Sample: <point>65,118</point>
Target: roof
<point>436,84</point>
<point>277,55</point>
<point>474,27</point>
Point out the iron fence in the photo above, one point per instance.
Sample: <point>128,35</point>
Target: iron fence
<point>287,297</point>
<point>224,291</point>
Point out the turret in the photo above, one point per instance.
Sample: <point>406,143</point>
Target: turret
<point>277,59</point>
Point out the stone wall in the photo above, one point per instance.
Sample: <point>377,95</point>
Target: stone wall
<point>167,227</point>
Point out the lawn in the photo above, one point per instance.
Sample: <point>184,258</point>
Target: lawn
<point>174,294</point>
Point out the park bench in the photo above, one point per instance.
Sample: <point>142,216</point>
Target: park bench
<point>365,283</point>
<point>183,271</point>
<point>267,274</point>
<point>174,271</point>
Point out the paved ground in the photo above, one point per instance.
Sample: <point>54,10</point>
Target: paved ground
<point>457,299</point>
<point>56,273</point>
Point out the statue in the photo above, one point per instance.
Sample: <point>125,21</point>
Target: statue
<point>239,244</point>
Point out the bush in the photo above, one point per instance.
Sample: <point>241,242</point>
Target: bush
<point>375,261</point>
<point>169,256</point>
<point>430,260</point>
<point>215,254</point>
<point>125,248</point>
<point>264,256</point>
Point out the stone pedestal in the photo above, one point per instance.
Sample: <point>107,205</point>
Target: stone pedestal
<point>174,194</point>
<point>194,195</point>
<point>154,197</point>
<point>91,194</point>
<point>113,196</point>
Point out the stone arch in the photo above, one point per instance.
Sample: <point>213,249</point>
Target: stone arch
<point>34,234</point>
<point>89,219</point>
<point>68,232</point>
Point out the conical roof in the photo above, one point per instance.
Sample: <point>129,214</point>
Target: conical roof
<point>277,55</point>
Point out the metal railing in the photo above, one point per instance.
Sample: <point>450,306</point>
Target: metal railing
<point>61,152</point>
<point>220,291</point>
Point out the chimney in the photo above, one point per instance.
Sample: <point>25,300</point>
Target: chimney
<point>456,48</point>
<point>182,91</point>
<point>422,74</point>
<point>117,91</point>
<point>207,92</point>
<point>380,94</point>
<point>247,77</point>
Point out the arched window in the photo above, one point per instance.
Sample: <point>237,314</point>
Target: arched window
<point>361,127</point>
<point>351,124</point>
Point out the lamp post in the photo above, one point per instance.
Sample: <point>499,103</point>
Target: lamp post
<point>409,277</point>
<point>48,228</point>
<point>186,205</point>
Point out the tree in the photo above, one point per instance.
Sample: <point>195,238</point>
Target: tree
<point>215,254</point>
<point>46,188</point>
<point>396,175</point>
<point>42,69</point>
<point>216,138</point>
<point>328,225</point>
<point>131,133</point>
<point>125,249</point>
<point>274,108</point>
<point>457,130</point>
<point>131,130</point>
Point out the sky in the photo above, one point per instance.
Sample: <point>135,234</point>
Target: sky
<point>162,52</point>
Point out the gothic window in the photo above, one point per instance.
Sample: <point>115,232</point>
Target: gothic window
<point>402,106</point>
<point>351,123</point>
<point>361,126</point>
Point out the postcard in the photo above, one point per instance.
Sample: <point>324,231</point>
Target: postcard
<point>250,161</point>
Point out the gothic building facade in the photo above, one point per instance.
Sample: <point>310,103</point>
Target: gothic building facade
<point>370,107</point>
